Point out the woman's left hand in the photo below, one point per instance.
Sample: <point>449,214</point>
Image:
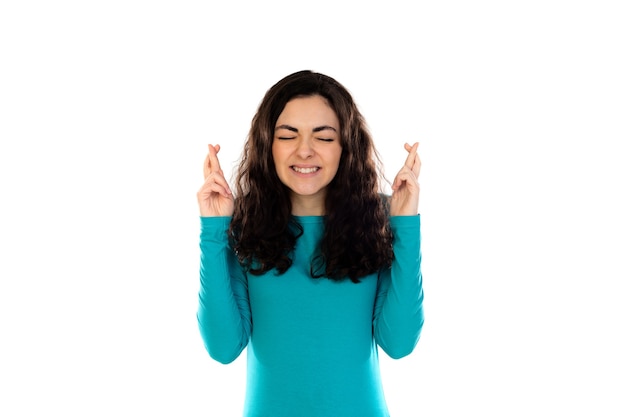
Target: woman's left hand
<point>406,189</point>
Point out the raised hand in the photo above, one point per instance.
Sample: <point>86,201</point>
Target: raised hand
<point>214,197</point>
<point>406,189</point>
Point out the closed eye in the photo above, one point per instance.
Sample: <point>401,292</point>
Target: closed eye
<point>326,139</point>
<point>285,137</point>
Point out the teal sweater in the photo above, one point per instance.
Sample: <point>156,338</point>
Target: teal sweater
<point>312,343</point>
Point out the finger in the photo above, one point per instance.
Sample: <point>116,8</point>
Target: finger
<point>205,168</point>
<point>217,184</point>
<point>215,188</point>
<point>405,175</point>
<point>417,166</point>
<point>417,163</point>
<point>219,179</point>
<point>412,150</point>
<point>214,163</point>
<point>210,161</point>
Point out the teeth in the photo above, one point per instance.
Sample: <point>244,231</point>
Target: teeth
<point>305,170</point>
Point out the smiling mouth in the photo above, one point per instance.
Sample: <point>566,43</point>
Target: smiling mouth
<point>305,170</point>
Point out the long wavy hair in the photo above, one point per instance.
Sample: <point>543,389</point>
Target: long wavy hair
<point>357,239</point>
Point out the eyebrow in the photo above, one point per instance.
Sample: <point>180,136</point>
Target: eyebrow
<point>315,129</point>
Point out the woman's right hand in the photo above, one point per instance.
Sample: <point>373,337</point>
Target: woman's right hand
<point>215,198</point>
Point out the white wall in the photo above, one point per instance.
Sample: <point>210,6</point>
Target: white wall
<point>105,112</point>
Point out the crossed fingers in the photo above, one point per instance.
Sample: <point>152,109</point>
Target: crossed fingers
<point>211,163</point>
<point>413,160</point>
<point>213,174</point>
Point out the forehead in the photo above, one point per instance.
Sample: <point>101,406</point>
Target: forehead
<point>312,109</point>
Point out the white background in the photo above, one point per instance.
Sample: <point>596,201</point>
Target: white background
<point>106,109</point>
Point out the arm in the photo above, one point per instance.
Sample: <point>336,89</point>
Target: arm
<point>223,314</point>
<point>398,310</point>
<point>223,304</point>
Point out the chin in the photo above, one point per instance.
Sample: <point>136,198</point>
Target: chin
<point>307,192</point>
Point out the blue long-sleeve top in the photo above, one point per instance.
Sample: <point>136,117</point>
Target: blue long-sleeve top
<point>312,343</point>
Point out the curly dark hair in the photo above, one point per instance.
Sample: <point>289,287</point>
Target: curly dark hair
<point>357,239</point>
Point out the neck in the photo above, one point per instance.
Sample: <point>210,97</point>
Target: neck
<point>307,205</point>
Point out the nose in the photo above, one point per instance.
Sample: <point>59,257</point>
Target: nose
<point>305,149</point>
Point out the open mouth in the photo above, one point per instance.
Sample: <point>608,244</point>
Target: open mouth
<point>309,170</point>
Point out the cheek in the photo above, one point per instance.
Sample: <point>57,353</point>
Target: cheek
<point>275,154</point>
<point>279,161</point>
<point>338,155</point>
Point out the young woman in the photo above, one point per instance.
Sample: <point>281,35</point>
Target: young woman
<point>307,264</point>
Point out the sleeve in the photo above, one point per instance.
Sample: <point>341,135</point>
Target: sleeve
<point>223,313</point>
<point>398,309</point>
